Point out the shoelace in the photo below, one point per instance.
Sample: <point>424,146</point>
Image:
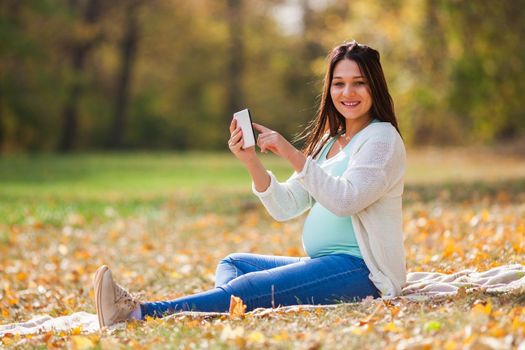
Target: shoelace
<point>125,301</point>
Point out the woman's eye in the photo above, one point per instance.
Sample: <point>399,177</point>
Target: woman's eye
<point>339,84</point>
<point>359,83</point>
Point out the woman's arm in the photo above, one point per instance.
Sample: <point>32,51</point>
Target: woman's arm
<point>374,169</point>
<point>378,163</point>
<point>283,201</point>
<point>270,140</point>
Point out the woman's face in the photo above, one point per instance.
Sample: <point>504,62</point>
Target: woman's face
<point>350,91</point>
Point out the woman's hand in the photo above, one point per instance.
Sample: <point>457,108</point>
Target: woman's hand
<point>269,140</point>
<point>235,144</point>
<point>261,179</point>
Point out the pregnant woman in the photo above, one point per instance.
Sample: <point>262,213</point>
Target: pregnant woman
<point>349,175</point>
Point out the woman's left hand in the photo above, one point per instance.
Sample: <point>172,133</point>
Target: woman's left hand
<point>269,140</point>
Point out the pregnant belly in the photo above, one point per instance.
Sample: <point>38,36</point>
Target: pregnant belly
<point>326,233</point>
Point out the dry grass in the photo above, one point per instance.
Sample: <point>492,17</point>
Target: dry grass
<point>168,245</point>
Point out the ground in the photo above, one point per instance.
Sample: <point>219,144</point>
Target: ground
<point>162,222</point>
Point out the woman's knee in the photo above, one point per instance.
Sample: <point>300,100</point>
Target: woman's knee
<point>226,270</point>
<point>229,259</point>
<point>233,258</point>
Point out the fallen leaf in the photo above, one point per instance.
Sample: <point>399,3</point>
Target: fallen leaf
<point>370,317</point>
<point>81,343</point>
<point>237,307</point>
<point>256,337</point>
<point>432,326</point>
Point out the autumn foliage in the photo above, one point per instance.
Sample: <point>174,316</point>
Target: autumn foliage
<point>166,241</point>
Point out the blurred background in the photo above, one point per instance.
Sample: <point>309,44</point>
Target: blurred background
<point>94,75</point>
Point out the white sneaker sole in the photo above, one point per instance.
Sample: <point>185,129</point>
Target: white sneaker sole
<point>97,289</point>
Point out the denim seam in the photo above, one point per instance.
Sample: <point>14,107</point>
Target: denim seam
<point>257,266</point>
<point>304,284</point>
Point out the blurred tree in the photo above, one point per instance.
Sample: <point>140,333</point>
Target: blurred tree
<point>235,64</point>
<point>128,50</point>
<point>26,74</point>
<point>71,73</point>
<point>433,122</point>
<point>487,77</point>
<point>87,36</point>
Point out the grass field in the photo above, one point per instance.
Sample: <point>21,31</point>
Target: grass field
<point>162,221</point>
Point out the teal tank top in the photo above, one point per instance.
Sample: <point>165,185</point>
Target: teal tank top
<point>325,233</point>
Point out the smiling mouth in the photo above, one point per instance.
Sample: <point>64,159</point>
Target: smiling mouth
<point>350,104</point>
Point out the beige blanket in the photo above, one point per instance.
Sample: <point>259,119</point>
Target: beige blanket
<point>498,279</point>
<point>420,285</point>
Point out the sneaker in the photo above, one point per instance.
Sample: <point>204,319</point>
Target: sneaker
<point>114,304</point>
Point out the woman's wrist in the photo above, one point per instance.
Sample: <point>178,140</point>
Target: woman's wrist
<point>258,172</point>
<point>296,158</point>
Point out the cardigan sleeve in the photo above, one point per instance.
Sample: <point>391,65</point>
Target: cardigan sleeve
<point>366,179</point>
<point>287,200</point>
<point>284,200</point>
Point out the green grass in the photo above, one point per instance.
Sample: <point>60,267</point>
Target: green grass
<point>125,174</point>
<point>49,188</point>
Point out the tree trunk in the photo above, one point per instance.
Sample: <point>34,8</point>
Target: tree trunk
<point>79,52</point>
<point>128,50</point>
<point>2,132</point>
<point>235,64</point>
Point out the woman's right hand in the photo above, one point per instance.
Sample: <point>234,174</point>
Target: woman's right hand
<point>235,144</point>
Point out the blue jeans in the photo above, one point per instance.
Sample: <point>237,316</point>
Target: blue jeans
<point>271,281</point>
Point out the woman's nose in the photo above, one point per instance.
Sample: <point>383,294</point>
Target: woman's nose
<point>348,90</point>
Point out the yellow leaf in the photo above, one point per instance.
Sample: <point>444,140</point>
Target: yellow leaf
<point>21,276</point>
<point>450,345</point>
<point>357,330</point>
<point>131,325</point>
<point>450,249</point>
<point>361,329</point>
<point>394,310</point>
<point>237,307</point>
<point>391,327</point>
<point>256,337</point>
<point>81,343</point>
<point>518,324</point>
<point>482,309</point>
<point>152,320</point>
<point>192,323</point>
<point>282,336</point>
<point>76,330</point>
<point>175,275</point>
<point>276,225</point>
<point>497,332</point>
<point>431,326</point>
<point>293,251</point>
<point>7,341</point>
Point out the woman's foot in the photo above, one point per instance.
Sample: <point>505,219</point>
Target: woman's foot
<point>114,304</point>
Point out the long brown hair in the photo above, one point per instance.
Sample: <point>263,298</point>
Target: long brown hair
<point>328,118</point>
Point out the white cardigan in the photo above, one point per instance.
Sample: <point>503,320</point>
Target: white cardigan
<point>369,191</point>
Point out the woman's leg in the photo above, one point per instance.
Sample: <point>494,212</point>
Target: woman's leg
<point>324,280</point>
<point>238,264</point>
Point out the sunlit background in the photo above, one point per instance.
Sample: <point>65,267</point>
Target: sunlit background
<point>114,121</point>
<point>83,75</point>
